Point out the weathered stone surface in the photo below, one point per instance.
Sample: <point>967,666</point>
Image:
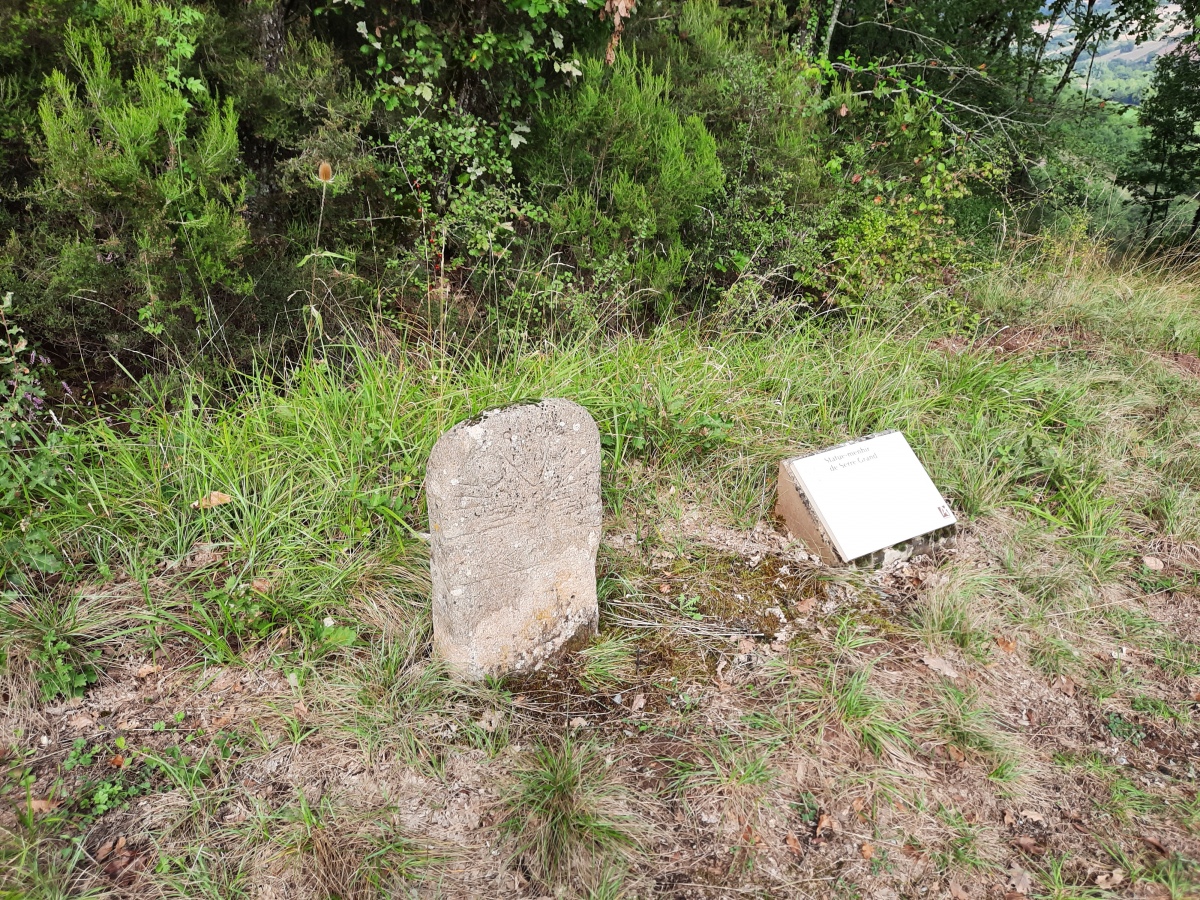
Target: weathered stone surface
<point>514,523</point>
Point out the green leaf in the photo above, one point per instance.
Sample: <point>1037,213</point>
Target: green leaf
<point>323,254</point>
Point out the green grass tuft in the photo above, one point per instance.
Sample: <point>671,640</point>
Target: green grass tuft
<point>563,814</point>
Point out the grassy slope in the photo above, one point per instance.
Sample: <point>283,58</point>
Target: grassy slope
<point>265,721</point>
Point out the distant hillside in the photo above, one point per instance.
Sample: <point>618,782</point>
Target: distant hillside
<point>1120,70</point>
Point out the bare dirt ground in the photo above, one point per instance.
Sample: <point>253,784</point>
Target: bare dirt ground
<point>749,769</point>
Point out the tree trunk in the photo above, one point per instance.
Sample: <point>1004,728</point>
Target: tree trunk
<point>1151,211</point>
<point>1056,11</point>
<point>1082,36</point>
<point>1087,82</point>
<point>804,41</point>
<point>1076,52</point>
<point>833,17</point>
<point>272,35</point>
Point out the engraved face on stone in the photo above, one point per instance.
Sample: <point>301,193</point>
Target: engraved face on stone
<point>514,522</point>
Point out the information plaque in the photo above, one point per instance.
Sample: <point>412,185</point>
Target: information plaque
<point>856,501</point>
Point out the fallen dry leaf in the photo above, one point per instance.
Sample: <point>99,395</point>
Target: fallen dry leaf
<point>939,665</point>
<point>867,851</point>
<point>121,863</point>
<point>73,703</point>
<point>1008,645</point>
<point>106,849</point>
<point>1019,880</point>
<point>1155,844</point>
<point>957,892</point>
<point>125,870</point>
<point>490,720</point>
<point>203,555</point>
<point>1110,879</point>
<point>793,844</point>
<point>235,814</point>
<point>211,499</point>
<point>1153,563</point>
<point>1029,845</point>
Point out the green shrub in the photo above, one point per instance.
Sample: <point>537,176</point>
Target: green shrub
<point>460,78</point>
<point>624,173</point>
<point>139,228</point>
<point>453,86</point>
<point>31,44</point>
<point>761,250</point>
<point>715,169</point>
<point>28,464</point>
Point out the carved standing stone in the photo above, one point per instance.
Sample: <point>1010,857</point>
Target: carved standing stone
<point>514,522</point>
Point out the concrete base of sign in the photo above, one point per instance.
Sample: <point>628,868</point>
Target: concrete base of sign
<point>797,513</point>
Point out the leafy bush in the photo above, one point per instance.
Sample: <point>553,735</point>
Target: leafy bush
<point>462,78</point>
<point>495,164</point>
<point>28,464</point>
<point>719,169</point>
<point>140,230</point>
<point>453,86</point>
<point>624,172</point>
<point>766,224</point>
<point>31,44</point>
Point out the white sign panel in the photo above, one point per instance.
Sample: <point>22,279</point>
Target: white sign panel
<point>871,494</point>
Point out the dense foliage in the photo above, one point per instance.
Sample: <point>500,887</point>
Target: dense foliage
<point>1168,164</point>
<point>514,168</point>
